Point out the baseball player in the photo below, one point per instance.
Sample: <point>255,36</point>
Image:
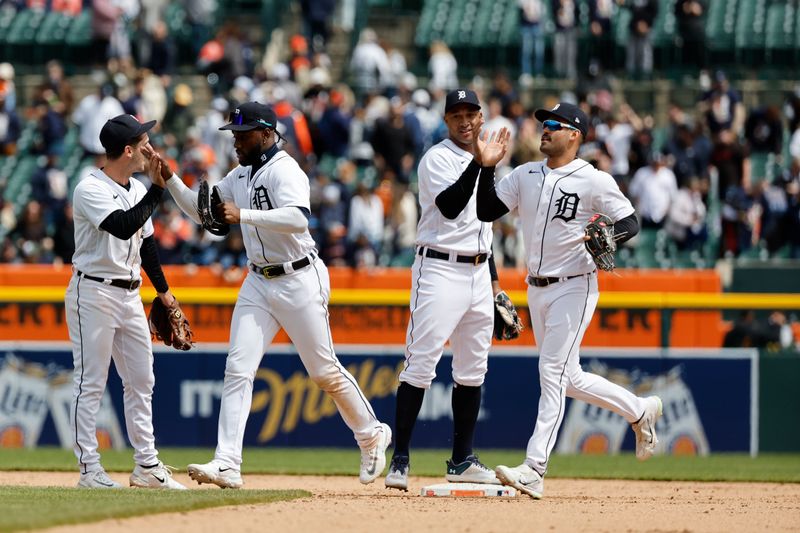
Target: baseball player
<point>452,289</point>
<point>555,198</point>
<point>106,319</point>
<point>287,286</point>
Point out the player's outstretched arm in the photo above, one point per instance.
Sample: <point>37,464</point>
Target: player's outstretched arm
<point>183,196</point>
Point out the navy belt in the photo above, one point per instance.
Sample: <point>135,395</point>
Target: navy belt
<point>472,259</point>
<point>274,271</point>
<point>544,282</point>
<point>128,284</point>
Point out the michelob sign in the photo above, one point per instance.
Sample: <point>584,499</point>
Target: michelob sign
<point>288,409</point>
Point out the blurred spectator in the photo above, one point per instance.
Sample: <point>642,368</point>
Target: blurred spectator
<point>778,202</point>
<point>503,89</point>
<point>69,7</point>
<point>565,40</point>
<point>601,43</point>
<point>162,52</point>
<point>639,51</point>
<point>30,234</point>
<point>316,21</point>
<point>722,107</point>
<point>366,219</point>
<point>92,113</point>
<point>617,135</point>
<point>334,126</point>
<point>172,232</point>
<point>49,188</point>
<point>774,333</point>
<point>442,67</point>
<point>528,142</point>
<point>56,90</point>
<point>179,117</point>
<point>369,64</point>
<point>429,120</point>
<point>397,67</point>
<point>200,16</point>
<point>10,127</point>
<point>532,34</point>
<point>110,41</point>
<point>763,130</point>
<point>651,190</point>
<point>690,16</point>
<point>393,142</point>
<point>686,220</point>
<point>690,154</point>
<point>7,88</point>
<point>50,130</point>
<point>64,236</point>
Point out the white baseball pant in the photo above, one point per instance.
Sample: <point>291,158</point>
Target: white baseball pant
<point>560,314</point>
<point>298,302</point>
<point>108,322</point>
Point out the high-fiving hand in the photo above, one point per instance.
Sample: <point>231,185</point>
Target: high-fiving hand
<point>154,166</point>
<point>490,151</point>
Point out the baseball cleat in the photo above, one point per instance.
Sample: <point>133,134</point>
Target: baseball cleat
<point>397,478</point>
<point>97,479</point>
<point>373,460</point>
<point>155,477</point>
<point>471,470</point>
<point>645,428</point>
<point>523,478</point>
<point>217,473</point>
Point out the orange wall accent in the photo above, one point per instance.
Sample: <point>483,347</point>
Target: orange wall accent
<point>387,325</point>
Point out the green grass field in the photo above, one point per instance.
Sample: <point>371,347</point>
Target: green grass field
<point>781,468</point>
<point>34,508</point>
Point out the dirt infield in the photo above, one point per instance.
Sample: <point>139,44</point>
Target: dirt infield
<point>342,504</point>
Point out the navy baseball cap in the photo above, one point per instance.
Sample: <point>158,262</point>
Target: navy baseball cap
<point>565,112</point>
<point>251,116</point>
<point>461,96</point>
<point>118,132</point>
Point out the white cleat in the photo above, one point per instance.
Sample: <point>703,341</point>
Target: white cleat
<point>645,428</point>
<point>522,477</point>
<point>217,473</point>
<point>397,478</point>
<point>97,479</point>
<point>156,477</point>
<point>373,460</point>
<point>470,471</point>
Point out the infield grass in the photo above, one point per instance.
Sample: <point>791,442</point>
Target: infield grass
<point>34,508</point>
<point>780,468</point>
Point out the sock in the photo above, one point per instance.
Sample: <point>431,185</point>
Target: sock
<point>409,402</point>
<point>466,404</point>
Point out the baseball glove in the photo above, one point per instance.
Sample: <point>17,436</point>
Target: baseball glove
<point>169,324</point>
<point>601,244</point>
<point>207,203</point>
<point>506,321</point>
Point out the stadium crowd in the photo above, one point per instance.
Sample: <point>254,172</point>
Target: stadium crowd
<point>360,137</point>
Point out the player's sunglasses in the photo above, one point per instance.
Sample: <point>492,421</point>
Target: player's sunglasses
<point>554,125</point>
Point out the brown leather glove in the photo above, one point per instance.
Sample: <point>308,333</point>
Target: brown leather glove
<point>169,324</point>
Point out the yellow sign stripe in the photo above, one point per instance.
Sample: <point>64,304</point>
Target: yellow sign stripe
<point>608,299</point>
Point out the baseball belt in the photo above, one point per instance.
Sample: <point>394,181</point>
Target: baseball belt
<point>544,282</point>
<point>435,254</point>
<point>274,271</point>
<point>129,284</point>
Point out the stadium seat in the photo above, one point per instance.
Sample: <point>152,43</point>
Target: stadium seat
<point>780,26</point>
<point>644,254</point>
<point>750,29</point>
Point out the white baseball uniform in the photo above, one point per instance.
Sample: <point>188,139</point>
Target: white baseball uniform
<point>108,321</point>
<point>554,206</point>
<point>296,301</point>
<point>451,295</point>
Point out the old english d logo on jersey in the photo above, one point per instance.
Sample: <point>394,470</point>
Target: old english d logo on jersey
<point>261,198</point>
<point>566,206</point>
